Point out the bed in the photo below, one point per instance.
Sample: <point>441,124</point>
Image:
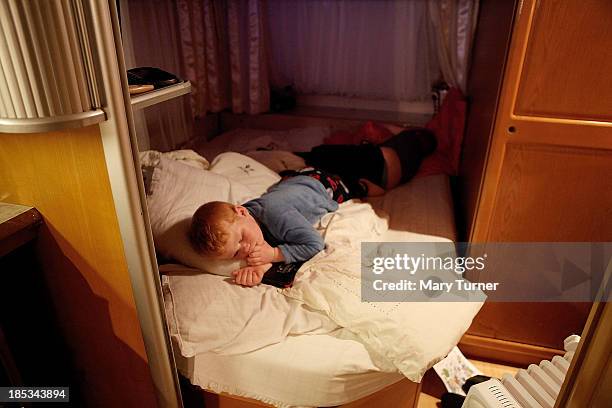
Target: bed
<point>312,360</point>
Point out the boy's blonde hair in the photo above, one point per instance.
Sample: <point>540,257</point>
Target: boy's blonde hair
<point>209,227</point>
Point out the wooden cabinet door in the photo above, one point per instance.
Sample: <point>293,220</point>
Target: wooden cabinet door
<point>549,168</point>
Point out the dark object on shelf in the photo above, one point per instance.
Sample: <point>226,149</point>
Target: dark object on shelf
<point>477,379</point>
<point>282,99</point>
<point>151,76</point>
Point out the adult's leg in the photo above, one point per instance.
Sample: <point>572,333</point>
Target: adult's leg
<point>411,147</point>
<point>350,162</point>
<point>392,163</point>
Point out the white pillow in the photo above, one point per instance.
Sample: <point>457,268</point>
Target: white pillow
<point>245,171</point>
<point>209,313</point>
<point>178,189</point>
<point>189,157</point>
<point>277,160</point>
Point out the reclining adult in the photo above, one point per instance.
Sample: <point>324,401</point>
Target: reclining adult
<point>380,167</point>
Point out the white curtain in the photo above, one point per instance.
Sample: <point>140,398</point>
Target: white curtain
<point>248,56</point>
<point>453,24</point>
<point>374,49</point>
<point>223,49</point>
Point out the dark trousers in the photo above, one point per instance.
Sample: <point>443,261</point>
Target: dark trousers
<point>350,162</point>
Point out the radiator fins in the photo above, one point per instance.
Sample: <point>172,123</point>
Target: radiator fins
<point>536,387</point>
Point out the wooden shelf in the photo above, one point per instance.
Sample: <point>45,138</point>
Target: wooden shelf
<point>18,225</point>
<point>160,95</point>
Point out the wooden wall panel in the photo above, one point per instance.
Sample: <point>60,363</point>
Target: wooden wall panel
<point>63,174</point>
<point>572,140</point>
<point>517,354</point>
<point>539,324</point>
<point>566,69</point>
<point>553,193</point>
<point>549,164</point>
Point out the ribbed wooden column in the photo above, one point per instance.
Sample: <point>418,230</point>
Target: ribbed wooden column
<point>46,69</point>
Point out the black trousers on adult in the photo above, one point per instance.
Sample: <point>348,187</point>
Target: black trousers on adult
<point>353,162</point>
<point>350,162</point>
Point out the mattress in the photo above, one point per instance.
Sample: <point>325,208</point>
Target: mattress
<point>328,369</point>
<point>317,370</point>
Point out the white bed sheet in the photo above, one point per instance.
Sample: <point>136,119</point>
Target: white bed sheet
<point>323,370</point>
<point>422,206</point>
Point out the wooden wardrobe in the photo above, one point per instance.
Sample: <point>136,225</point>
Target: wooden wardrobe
<point>537,160</point>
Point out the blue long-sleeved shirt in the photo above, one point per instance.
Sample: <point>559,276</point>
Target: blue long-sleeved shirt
<point>287,212</point>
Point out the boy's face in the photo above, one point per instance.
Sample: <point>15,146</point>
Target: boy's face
<point>244,234</point>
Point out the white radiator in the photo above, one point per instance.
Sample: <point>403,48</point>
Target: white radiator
<point>536,387</point>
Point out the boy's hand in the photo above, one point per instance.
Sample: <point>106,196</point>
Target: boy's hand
<point>250,275</point>
<point>262,253</point>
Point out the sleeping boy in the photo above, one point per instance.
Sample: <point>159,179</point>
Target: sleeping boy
<point>276,227</point>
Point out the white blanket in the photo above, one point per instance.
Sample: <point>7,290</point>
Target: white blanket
<point>209,313</point>
<point>412,336</point>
